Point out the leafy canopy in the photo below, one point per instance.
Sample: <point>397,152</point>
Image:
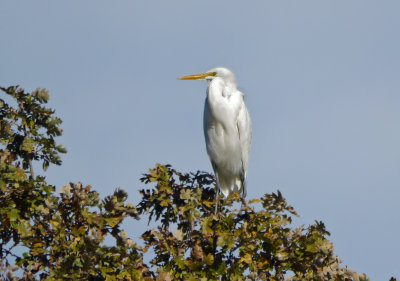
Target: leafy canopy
<point>75,235</point>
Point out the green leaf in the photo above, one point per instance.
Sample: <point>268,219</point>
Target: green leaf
<point>28,145</point>
<point>13,215</point>
<point>113,221</point>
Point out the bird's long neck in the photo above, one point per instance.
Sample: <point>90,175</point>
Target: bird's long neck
<point>221,88</point>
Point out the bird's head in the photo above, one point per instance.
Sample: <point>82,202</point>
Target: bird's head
<point>220,72</point>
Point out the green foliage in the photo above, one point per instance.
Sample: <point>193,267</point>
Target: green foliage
<point>235,244</point>
<point>74,235</point>
<point>28,130</point>
<point>64,235</point>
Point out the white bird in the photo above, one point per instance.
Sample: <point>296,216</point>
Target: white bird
<point>227,129</point>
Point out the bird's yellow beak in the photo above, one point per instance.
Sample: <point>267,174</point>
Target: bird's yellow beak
<point>199,76</point>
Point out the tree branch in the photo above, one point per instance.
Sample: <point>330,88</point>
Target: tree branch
<point>31,168</point>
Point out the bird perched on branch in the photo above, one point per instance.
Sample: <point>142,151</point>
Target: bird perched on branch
<point>227,129</point>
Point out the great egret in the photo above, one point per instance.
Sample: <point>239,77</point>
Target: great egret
<point>227,129</point>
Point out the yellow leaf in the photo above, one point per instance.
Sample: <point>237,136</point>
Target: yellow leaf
<point>246,258</point>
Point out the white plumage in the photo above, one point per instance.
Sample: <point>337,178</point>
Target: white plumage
<point>227,129</point>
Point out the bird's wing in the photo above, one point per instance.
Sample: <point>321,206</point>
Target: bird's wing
<point>245,131</point>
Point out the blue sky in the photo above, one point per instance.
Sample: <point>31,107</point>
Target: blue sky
<point>321,80</point>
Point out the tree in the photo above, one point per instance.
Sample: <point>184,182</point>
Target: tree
<point>62,236</point>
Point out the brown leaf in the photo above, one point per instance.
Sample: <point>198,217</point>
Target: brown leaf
<point>178,234</point>
<point>165,276</point>
<point>198,253</point>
